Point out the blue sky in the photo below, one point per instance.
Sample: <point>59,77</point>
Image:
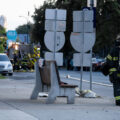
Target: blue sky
<point>12,9</point>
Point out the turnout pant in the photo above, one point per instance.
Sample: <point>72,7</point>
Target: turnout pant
<point>116,88</point>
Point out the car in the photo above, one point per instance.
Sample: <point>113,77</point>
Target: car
<point>5,65</point>
<point>97,63</point>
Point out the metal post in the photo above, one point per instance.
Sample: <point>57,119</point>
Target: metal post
<point>26,26</point>
<point>27,32</point>
<point>55,34</point>
<point>91,58</point>
<point>91,70</point>
<point>82,55</point>
<point>92,4</point>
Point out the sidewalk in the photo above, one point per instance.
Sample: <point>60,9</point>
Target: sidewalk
<point>15,104</point>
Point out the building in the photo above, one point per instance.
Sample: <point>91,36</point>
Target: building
<point>3,21</point>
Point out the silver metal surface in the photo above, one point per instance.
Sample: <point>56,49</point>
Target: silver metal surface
<point>88,15</point>
<point>78,27</point>
<point>76,40</point>
<point>50,25</point>
<point>49,40</point>
<point>50,14</point>
<point>58,57</point>
<point>77,15</point>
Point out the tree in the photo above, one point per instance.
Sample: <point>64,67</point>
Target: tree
<point>24,29</point>
<point>2,44</point>
<point>2,31</point>
<point>107,24</point>
<point>2,39</point>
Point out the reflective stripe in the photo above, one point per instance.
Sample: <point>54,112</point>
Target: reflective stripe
<point>36,52</point>
<point>118,75</point>
<point>109,57</point>
<point>117,98</point>
<point>110,73</point>
<point>115,58</point>
<point>32,62</point>
<point>112,69</point>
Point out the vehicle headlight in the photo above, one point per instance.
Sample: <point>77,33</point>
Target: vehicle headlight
<point>9,65</point>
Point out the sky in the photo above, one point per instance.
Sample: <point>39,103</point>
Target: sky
<point>13,9</point>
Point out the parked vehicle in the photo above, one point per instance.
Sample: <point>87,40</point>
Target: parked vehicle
<point>5,65</point>
<point>97,63</point>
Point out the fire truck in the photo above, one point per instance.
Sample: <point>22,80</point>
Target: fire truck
<point>23,56</point>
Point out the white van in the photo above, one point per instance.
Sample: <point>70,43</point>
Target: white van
<point>5,65</point>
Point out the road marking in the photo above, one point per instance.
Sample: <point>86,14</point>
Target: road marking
<point>97,83</point>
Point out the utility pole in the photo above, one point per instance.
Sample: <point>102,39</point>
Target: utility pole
<point>27,26</point>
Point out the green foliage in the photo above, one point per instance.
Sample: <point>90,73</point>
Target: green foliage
<point>24,29</point>
<point>2,44</point>
<point>1,48</point>
<point>108,23</point>
<point>2,31</point>
<point>2,77</point>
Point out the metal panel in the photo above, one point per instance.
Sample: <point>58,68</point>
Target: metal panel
<point>88,15</point>
<point>77,15</point>
<point>89,41</point>
<point>49,40</point>
<point>50,14</point>
<point>61,14</point>
<point>61,26</point>
<point>58,57</point>
<point>88,27</point>
<point>78,41</point>
<point>77,59</point>
<point>77,26</point>
<point>50,25</point>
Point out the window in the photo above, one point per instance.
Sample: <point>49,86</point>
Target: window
<point>4,58</point>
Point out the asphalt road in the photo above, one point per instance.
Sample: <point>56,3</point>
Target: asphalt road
<point>15,103</point>
<point>100,83</point>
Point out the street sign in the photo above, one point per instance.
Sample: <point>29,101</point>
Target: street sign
<point>77,59</point>
<point>50,42</point>
<point>61,14</point>
<point>58,57</point>
<point>83,27</point>
<point>57,14</point>
<point>50,25</point>
<point>12,35</point>
<point>78,27</point>
<point>77,16</point>
<point>87,40</point>
<point>86,15</point>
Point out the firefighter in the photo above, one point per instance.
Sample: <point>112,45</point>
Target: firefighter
<point>113,60</point>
